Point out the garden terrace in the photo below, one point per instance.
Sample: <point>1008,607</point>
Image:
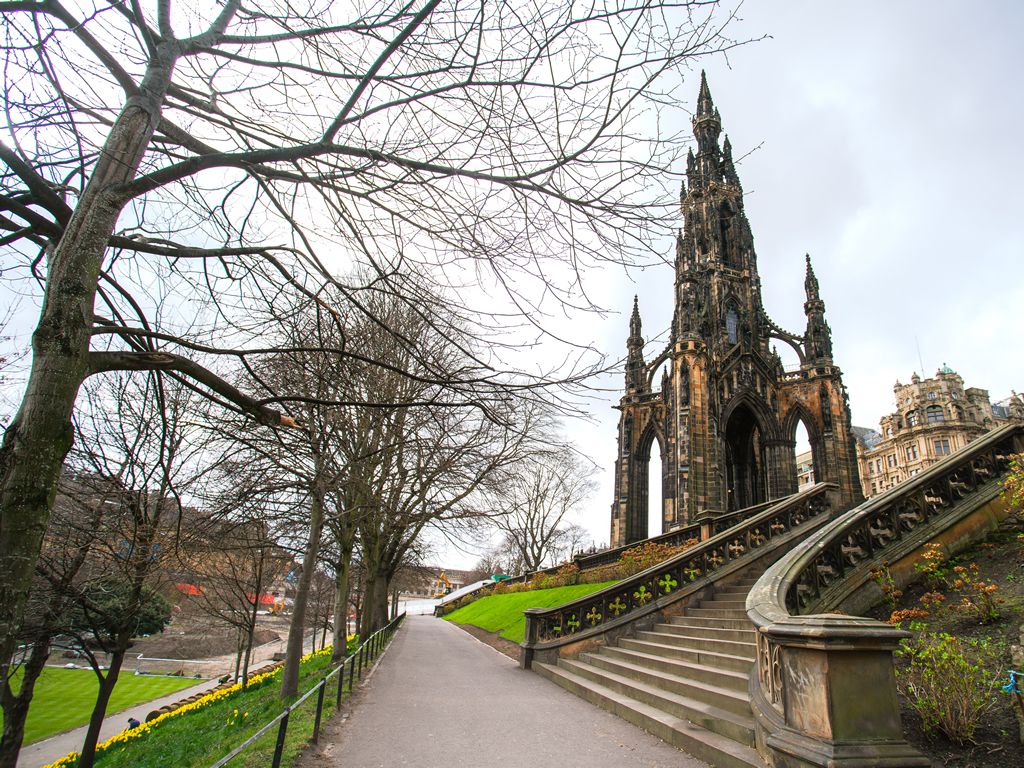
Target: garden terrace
<point>824,692</point>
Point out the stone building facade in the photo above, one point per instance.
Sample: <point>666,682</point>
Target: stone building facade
<point>933,418</point>
<point>726,414</point>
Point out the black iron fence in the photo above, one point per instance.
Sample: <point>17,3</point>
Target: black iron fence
<point>359,661</point>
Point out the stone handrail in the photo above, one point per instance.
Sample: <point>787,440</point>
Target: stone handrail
<point>702,530</point>
<point>699,530</point>
<point>661,585</point>
<point>824,691</point>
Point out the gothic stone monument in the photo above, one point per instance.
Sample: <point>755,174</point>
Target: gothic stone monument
<point>726,416</point>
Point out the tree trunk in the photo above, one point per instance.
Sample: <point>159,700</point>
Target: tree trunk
<point>37,440</point>
<point>340,637</point>
<point>15,707</point>
<point>99,711</point>
<point>293,650</point>
<point>239,650</point>
<point>376,610</point>
<point>369,596</point>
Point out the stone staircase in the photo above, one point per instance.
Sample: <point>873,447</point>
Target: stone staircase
<point>685,681</point>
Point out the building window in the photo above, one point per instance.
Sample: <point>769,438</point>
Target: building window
<point>888,431</point>
<point>891,458</point>
<point>941,447</point>
<point>914,472</point>
<point>935,414</point>
<point>931,395</point>
<point>911,419</point>
<point>912,453</point>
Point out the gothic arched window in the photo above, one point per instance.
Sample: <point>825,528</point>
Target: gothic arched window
<point>732,325</point>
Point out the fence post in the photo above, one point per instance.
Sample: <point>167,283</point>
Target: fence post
<point>351,672</point>
<point>319,710</point>
<point>281,732</point>
<point>359,653</point>
<point>341,683</point>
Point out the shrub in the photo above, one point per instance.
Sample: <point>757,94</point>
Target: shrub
<point>882,576</point>
<point>911,614</point>
<point>565,576</point>
<point>977,595</point>
<point>640,558</point>
<point>1013,484</point>
<point>932,567</point>
<point>949,682</point>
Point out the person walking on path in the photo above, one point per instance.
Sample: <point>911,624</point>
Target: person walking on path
<point>441,698</point>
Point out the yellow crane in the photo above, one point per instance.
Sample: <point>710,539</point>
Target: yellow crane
<point>441,585</point>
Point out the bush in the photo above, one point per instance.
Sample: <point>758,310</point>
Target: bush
<point>640,558</point>
<point>978,597</point>
<point>932,567</point>
<point>950,681</point>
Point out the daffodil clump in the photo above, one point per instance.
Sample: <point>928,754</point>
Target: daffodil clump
<point>126,737</point>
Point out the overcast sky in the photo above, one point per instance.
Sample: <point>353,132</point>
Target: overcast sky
<point>883,140</point>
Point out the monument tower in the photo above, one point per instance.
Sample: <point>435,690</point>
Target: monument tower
<point>726,414</point>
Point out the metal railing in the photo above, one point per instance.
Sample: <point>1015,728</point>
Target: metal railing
<point>662,584</point>
<point>359,660</point>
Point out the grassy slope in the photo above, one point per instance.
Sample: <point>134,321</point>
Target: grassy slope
<point>504,613</point>
<point>64,698</point>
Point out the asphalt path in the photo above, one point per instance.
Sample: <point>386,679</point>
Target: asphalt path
<point>440,698</point>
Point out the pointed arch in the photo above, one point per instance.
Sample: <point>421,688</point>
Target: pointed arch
<point>796,415</point>
<point>748,428</point>
<point>637,527</point>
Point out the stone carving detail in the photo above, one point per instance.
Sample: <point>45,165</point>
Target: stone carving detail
<point>888,519</point>
<point>769,669</point>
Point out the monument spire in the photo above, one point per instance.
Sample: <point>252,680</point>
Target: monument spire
<point>635,379</point>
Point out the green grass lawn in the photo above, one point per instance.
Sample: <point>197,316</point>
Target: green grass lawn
<point>64,698</point>
<point>504,613</point>
<point>197,739</point>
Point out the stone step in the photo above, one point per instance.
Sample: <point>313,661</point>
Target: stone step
<point>705,621</point>
<point>708,633</point>
<point>723,604</point>
<point>717,613</point>
<point>743,644</point>
<point>715,695</point>
<point>683,732</point>
<point>701,672</point>
<point>731,661</point>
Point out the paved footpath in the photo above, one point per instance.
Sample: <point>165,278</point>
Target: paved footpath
<point>441,698</point>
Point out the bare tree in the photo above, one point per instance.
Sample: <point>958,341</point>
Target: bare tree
<point>234,559</point>
<point>532,506</point>
<point>137,454</point>
<point>227,149</point>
